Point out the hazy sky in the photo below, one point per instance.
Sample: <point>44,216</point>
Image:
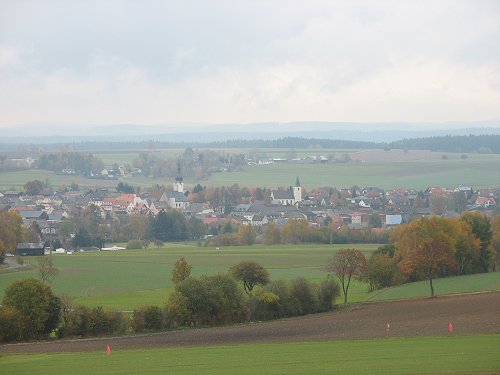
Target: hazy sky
<point>166,62</point>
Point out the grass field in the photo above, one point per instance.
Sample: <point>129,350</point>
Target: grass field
<point>447,285</point>
<point>385,169</point>
<point>127,279</point>
<point>475,354</point>
<point>386,175</point>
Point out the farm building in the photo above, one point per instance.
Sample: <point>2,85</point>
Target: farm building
<point>30,249</point>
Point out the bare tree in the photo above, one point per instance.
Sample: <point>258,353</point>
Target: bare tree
<point>46,269</point>
<point>346,264</point>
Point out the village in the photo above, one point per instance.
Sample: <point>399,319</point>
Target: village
<point>57,216</point>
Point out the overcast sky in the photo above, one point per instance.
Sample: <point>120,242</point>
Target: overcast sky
<point>170,62</point>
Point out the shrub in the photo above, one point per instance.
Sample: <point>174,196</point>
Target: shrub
<point>177,313</point>
<point>83,321</point>
<point>303,296</point>
<point>10,324</point>
<point>39,309</point>
<point>153,318</point>
<point>329,290</point>
<point>134,244</point>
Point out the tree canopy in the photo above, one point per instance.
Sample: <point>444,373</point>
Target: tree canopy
<point>250,274</point>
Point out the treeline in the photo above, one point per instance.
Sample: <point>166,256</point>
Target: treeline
<point>488,143</point>
<point>464,143</point>
<point>80,163</point>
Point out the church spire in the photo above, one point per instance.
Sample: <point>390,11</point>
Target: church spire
<point>297,182</point>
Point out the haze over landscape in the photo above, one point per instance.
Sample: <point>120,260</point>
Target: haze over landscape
<point>67,67</point>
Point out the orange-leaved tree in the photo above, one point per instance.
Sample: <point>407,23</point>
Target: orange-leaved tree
<point>427,247</point>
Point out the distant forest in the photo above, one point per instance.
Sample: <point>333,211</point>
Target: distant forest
<point>456,143</point>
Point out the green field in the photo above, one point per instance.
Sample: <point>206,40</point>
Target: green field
<point>475,354</point>
<point>130,278</point>
<point>447,285</point>
<point>384,169</point>
<point>416,175</point>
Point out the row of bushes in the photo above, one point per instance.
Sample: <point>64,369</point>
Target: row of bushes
<point>217,300</point>
<point>31,311</point>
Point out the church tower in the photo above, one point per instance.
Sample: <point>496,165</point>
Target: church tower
<point>297,191</point>
<point>179,184</point>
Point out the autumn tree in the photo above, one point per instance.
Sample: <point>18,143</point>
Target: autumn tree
<point>495,241</point>
<point>295,231</point>
<point>181,271</point>
<point>347,264</point>
<point>11,230</point>
<point>272,234</point>
<point>250,274</point>
<point>427,247</point>
<point>2,252</point>
<point>246,235</point>
<point>481,228</point>
<point>137,226</point>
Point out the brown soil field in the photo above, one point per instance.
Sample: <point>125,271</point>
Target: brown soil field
<point>468,314</point>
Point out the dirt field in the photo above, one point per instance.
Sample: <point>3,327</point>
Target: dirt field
<point>472,313</point>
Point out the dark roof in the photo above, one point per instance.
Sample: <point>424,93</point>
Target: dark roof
<point>283,194</point>
<point>178,196</point>
<point>29,245</point>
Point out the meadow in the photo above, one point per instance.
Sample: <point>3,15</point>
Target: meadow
<point>128,279</point>
<point>443,286</point>
<point>385,169</point>
<point>470,354</point>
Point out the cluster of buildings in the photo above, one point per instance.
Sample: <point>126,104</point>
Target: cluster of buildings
<point>356,208</point>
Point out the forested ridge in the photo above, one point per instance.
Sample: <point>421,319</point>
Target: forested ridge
<point>487,143</point>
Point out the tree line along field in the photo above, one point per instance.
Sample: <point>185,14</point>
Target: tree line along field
<point>384,169</point>
<point>469,354</point>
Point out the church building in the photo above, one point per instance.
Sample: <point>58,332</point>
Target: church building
<point>290,197</point>
<point>176,198</point>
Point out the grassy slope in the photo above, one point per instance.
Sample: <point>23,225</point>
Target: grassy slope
<point>422,355</point>
<point>447,285</point>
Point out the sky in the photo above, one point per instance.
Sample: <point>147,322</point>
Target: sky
<point>97,62</point>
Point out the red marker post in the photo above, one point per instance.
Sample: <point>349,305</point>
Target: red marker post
<point>108,350</point>
<point>450,328</point>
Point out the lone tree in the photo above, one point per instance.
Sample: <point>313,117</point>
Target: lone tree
<point>181,271</point>
<point>346,264</point>
<point>46,269</point>
<point>250,274</point>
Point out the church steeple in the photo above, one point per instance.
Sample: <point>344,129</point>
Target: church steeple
<point>297,191</point>
<point>178,184</point>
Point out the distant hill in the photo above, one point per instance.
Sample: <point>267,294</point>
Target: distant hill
<point>202,133</point>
